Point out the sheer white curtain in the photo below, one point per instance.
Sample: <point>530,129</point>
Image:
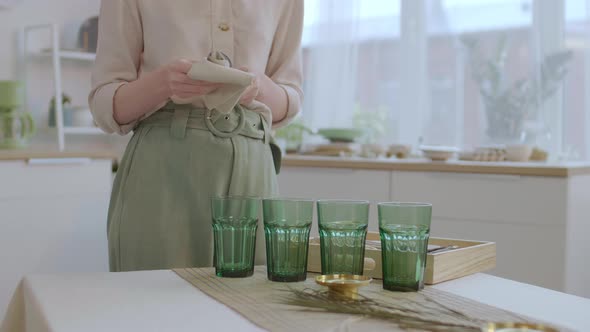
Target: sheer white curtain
<point>367,65</point>
<point>400,68</point>
<point>332,54</point>
<point>350,64</point>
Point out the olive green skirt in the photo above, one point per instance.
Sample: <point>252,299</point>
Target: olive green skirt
<point>178,158</point>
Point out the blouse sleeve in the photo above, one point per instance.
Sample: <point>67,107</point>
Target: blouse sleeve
<point>120,44</point>
<point>284,66</point>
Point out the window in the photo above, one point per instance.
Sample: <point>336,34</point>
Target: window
<point>405,69</point>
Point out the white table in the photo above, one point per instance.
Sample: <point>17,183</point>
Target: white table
<point>53,215</point>
<point>161,301</point>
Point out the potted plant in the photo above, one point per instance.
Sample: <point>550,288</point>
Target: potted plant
<point>65,100</point>
<point>509,105</point>
<point>374,123</point>
<point>292,135</point>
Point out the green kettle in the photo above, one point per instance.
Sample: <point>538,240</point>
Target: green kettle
<point>16,128</point>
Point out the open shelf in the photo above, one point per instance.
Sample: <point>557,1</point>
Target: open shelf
<point>57,54</point>
<point>70,55</point>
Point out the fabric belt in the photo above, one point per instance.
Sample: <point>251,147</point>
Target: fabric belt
<point>238,122</point>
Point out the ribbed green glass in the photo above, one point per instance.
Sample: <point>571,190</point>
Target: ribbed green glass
<point>343,230</point>
<point>287,223</point>
<point>235,220</point>
<point>404,230</point>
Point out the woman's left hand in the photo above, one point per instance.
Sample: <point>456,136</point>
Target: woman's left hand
<point>266,91</point>
<point>251,92</point>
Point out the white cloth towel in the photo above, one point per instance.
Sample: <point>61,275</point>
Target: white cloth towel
<point>216,68</point>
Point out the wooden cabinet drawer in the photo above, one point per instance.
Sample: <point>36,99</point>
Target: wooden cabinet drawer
<point>502,198</point>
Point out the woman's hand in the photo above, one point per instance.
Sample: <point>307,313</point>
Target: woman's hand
<point>180,85</point>
<point>266,91</point>
<point>134,99</point>
<point>252,91</point>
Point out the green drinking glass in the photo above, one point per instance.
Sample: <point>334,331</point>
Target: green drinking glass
<point>343,230</point>
<point>235,220</point>
<point>404,230</point>
<point>287,223</point>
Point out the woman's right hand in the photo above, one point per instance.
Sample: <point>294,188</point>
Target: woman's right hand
<point>134,99</point>
<point>180,85</point>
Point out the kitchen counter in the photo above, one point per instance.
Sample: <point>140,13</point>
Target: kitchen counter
<point>512,204</point>
<point>51,152</point>
<point>565,169</point>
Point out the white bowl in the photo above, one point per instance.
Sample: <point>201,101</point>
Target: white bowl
<point>519,152</point>
<point>81,116</point>
<point>438,153</point>
<point>372,150</point>
<point>400,151</point>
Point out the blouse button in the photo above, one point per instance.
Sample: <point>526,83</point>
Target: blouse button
<point>223,27</point>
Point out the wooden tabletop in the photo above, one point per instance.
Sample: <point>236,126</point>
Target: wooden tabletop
<point>455,166</point>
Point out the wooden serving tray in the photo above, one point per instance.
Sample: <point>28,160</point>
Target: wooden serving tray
<point>471,257</point>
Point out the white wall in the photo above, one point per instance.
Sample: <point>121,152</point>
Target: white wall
<point>34,12</point>
<point>69,14</point>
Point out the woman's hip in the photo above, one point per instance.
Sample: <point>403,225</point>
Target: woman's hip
<point>176,150</point>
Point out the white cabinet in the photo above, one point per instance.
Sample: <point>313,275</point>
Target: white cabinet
<point>52,219</point>
<point>332,183</point>
<point>540,224</point>
<point>525,253</point>
<point>577,245</point>
<point>536,222</point>
<point>528,217</point>
<point>486,197</point>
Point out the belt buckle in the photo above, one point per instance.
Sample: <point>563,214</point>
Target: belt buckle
<point>220,133</point>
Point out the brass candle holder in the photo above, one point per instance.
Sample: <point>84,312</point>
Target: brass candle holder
<point>517,327</point>
<point>345,285</point>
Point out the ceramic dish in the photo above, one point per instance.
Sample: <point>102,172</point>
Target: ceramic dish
<point>519,152</point>
<point>372,150</point>
<point>438,153</point>
<point>400,151</point>
<point>490,154</point>
<point>340,134</point>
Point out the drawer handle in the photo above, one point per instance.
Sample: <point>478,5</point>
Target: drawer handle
<point>483,177</point>
<point>333,170</point>
<point>58,161</point>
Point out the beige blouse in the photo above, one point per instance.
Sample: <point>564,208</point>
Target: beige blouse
<point>138,36</point>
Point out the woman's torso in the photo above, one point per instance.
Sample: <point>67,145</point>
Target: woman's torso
<point>242,29</point>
